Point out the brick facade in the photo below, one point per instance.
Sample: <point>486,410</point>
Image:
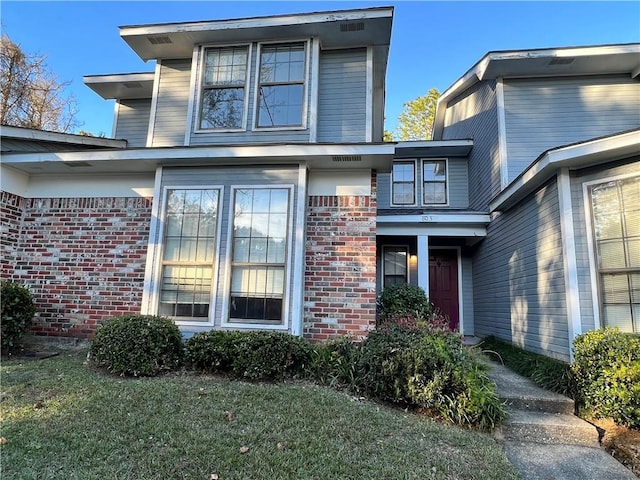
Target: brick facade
<point>11,208</point>
<point>340,270</point>
<point>83,258</point>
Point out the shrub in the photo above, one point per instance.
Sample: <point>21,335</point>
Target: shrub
<point>252,355</point>
<point>137,345</point>
<point>404,300</point>
<point>429,370</point>
<point>606,367</point>
<point>17,311</point>
<point>334,363</point>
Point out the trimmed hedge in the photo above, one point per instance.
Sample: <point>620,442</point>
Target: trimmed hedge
<point>606,367</point>
<point>137,345</point>
<point>17,311</point>
<point>253,355</point>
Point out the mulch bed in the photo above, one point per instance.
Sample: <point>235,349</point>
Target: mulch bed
<point>621,442</point>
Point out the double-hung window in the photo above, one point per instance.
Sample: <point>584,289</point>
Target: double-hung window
<point>403,183</point>
<point>189,252</point>
<point>616,223</point>
<point>224,75</point>
<point>434,182</point>
<point>259,252</point>
<point>281,85</point>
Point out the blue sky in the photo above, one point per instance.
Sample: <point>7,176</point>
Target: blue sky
<point>433,42</point>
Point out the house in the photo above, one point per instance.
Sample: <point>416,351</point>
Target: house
<point>253,190</point>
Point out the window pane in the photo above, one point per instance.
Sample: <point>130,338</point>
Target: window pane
<point>435,171</point>
<point>611,254</point>
<point>280,105</point>
<point>618,316</point>
<point>403,193</point>
<point>435,193</point>
<point>222,108</point>
<point>403,172</point>
<point>608,226</point>
<point>225,66</point>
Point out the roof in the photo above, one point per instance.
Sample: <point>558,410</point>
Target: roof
<point>545,62</point>
<point>122,86</point>
<point>21,140</point>
<point>343,28</point>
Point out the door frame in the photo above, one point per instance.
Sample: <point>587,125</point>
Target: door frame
<point>458,251</point>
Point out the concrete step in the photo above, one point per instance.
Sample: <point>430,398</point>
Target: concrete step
<point>547,428</point>
<point>556,405</point>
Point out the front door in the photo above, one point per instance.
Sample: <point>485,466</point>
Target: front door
<point>443,284</point>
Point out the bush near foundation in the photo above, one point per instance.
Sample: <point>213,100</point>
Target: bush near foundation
<point>17,311</point>
<point>606,368</point>
<point>402,300</point>
<point>137,345</point>
<point>253,355</point>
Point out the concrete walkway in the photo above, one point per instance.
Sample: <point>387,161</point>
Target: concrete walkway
<point>542,437</point>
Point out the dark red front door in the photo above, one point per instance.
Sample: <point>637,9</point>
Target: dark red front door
<point>443,283</point>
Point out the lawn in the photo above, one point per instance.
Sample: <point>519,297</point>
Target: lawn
<point>62,419</point>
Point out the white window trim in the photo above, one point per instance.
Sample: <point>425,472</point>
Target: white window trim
<point>159,249</point>
<point>193,96</point>
<point>415,185</point>
<point>199,88</point>
<point>447,184</point>
<point>591,249</point>
<point>286,297</point>
<point>408,263</point>
<point>305,94</point>
<point>154,103</point>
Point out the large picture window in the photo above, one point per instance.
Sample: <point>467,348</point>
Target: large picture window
<point>223,88</point>
<point>281,85</point>
<point>189,251</point>
<point>403,183</point>
<point>434,182</point>
<point>616,222</point>
<point>259,251</point>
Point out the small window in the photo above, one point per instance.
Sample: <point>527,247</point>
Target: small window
<point>189,252</point>
<point>395,265</point>
<point>403,183</point>
<point>258,265</point>
<point>434,182</point>
<point>223,88</point>
<point>281,85</point>
<point>616,222</point>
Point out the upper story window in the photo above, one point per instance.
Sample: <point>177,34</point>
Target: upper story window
<point>403,183</point>
<point>223,87</point>
<point>281,85</point>
<point>434,182</point>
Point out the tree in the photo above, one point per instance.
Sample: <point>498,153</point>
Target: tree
<point>30,94</point>
<point>416,120</point>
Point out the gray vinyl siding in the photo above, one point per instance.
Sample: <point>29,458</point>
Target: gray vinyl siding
<point>132,123</point>
<point>457,186</point>
<point>172,104</point>
<point>578,178</point>
<point>342,96</point>
<point>473,115</point>
<point>467,296</point>
<point>545,113</point>
<point>228,177</point>
<point>518,270</point>
<point>250,135</point>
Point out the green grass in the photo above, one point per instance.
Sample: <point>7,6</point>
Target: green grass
<point>61,419</point>
<point>546,372</point>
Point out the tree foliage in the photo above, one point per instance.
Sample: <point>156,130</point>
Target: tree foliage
<point>31,95</point>
<point>417,117</point>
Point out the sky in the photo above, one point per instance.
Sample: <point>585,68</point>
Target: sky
<point>433,43</point>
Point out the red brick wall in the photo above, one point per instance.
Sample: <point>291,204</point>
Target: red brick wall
<point>84,259</point>
<point>11,207</point>
<point>340,272</point>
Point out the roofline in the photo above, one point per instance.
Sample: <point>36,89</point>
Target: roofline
<point>254,22</point>
<point>578,155</point>
<point>478,71</point>
<point>22,133</point>
<point>119,77</point>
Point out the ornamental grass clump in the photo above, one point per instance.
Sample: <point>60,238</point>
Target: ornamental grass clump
<point>137,345</point>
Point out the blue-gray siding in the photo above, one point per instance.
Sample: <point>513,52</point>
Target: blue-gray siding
<point>457,185</point>
<point>228,177</point>
<point>467,296</point>
<point>578,178</point>
<point>549,112</point>
<point>172,104</point>
<point>519,289</point>
<point>342,96</point>
<point>473,114</point>
<point>132,123</point>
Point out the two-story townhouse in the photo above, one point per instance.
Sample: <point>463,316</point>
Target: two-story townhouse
<point>556,165</point>
<point>246,196</point>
